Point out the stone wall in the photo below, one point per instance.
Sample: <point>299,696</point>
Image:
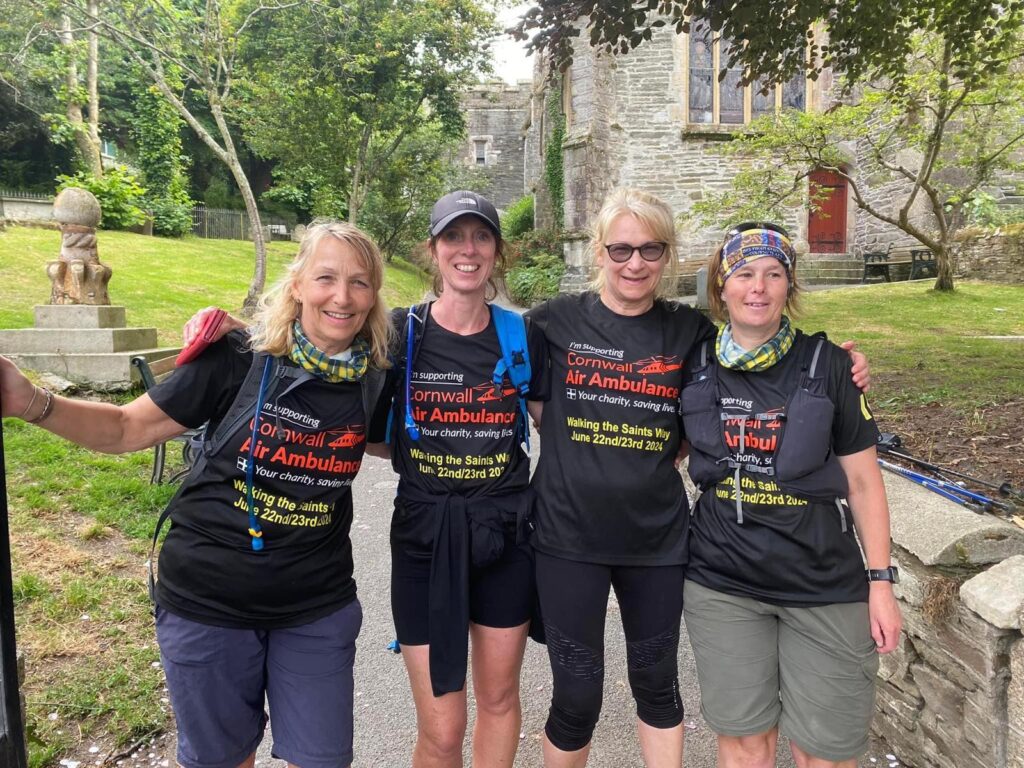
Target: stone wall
<point>626,129</point>
<point>992,257</point>
<point>23,209</point>
<point>496,115</point>
<point>952,694</point>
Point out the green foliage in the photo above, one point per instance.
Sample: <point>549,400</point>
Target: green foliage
<point>157,133</point>
<point>172,215</point>
<point>396,211</point>
<point>867,40</point>
<point>334,91</point>
<point>537,267</point>
<point>553,155</point>
<point>518,218</point>
<point>949,129</point>
<point>120,195</point>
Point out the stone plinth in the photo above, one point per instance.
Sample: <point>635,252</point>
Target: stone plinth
<point>60,341</point>
<point>79,316</point>
<point>85,344</point>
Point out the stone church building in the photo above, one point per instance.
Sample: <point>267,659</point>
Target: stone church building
<point>657,119</point>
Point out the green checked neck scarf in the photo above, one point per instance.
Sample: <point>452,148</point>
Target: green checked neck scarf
<point>349,365</point>
<point>732,355</point>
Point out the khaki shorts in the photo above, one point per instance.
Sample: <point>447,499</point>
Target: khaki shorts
<point>811,671</point>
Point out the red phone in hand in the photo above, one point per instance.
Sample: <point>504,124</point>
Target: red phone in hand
<point>206,336</point>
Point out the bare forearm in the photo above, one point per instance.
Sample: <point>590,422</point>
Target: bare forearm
<point>106,427</point>
<point>870,508</point>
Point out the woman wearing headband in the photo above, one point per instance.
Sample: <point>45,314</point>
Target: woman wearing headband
<point>785,622</point>
<point>611,511</point>
<point>256,598</point>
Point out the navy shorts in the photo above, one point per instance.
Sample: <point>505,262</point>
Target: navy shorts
<point>218,677</point>
<point>501,594</point>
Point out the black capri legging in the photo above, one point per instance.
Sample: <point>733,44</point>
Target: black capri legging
<point>574,602</point>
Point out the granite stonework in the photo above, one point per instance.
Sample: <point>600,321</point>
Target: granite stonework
<point>496,118</point>
<point>952,694</point>
<point>992,256</point>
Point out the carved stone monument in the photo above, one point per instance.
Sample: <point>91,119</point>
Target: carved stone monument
<point>79,335</point>
<point>77,276</point>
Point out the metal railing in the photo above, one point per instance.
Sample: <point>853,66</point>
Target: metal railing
<point>18,194</point>
<point>221,224</point>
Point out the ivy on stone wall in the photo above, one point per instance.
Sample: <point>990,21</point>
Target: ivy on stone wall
<point>553,171</point>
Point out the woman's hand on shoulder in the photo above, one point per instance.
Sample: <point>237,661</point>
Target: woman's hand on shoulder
<point>16,391</point>
<point>886,619</point>
<point>861,371</point>
<point>194,326</point>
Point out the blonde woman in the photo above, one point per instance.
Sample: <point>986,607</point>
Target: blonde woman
<point>256,596</point>
<point>611,511</point>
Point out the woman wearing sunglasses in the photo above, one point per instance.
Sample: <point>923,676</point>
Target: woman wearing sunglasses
<point>785,622</point>
<point>611,511</point>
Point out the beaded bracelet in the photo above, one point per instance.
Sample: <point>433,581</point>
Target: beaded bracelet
<point>47,407</point>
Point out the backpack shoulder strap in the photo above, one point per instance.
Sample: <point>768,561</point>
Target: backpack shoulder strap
<point>408,348</point>
<point>515,359</point>
<point>816,362</point>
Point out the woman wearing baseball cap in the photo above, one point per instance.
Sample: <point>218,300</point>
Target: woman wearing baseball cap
<point>461,566</point>
<point>785,623</point>
<point>460,561</point>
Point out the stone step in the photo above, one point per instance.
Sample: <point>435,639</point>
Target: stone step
<point>76,340</point>
<point>104,371</point>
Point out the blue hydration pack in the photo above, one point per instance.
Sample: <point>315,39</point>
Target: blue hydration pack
<point>514,361</point>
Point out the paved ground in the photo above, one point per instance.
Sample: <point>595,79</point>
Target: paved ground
<point>384,717</point>
<point>385,725</point>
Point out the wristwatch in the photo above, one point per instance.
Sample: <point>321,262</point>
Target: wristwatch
<point>884,574</point>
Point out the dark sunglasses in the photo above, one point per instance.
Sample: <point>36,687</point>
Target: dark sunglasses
<point>748,225</point>
<point>623,252</point>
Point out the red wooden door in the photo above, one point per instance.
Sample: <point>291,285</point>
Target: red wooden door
<point>826,227</point>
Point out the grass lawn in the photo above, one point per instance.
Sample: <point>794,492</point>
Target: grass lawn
<point>924,347</point>
<point>160,281</point>
<point>81,521</point>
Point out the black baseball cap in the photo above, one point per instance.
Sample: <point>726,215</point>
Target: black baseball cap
<point>459,203</point>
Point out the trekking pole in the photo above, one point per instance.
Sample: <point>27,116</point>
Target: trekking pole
<point>951,487</point>
<point>888,443</point>
<point>946,490</point>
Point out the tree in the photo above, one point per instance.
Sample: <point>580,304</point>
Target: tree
<point>39,52</point>
<point>193,43</point>
<point>934,142</point>
<point>867,39</point>
<point>337,90</point>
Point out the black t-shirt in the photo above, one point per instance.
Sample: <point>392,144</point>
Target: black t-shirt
<point>788,550</point>
<point>309,449</point>
<point>607,488</point>
<point>467,424</point>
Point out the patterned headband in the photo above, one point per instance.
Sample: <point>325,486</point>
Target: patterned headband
<point>750,244</point>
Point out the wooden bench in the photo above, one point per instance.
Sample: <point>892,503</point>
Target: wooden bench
<point>877,263</point>
<point>151,373</point>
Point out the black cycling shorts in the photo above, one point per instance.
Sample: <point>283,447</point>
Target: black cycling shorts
<point>500,594</point>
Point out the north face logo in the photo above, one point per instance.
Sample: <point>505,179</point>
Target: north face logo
<point>467,200</point>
